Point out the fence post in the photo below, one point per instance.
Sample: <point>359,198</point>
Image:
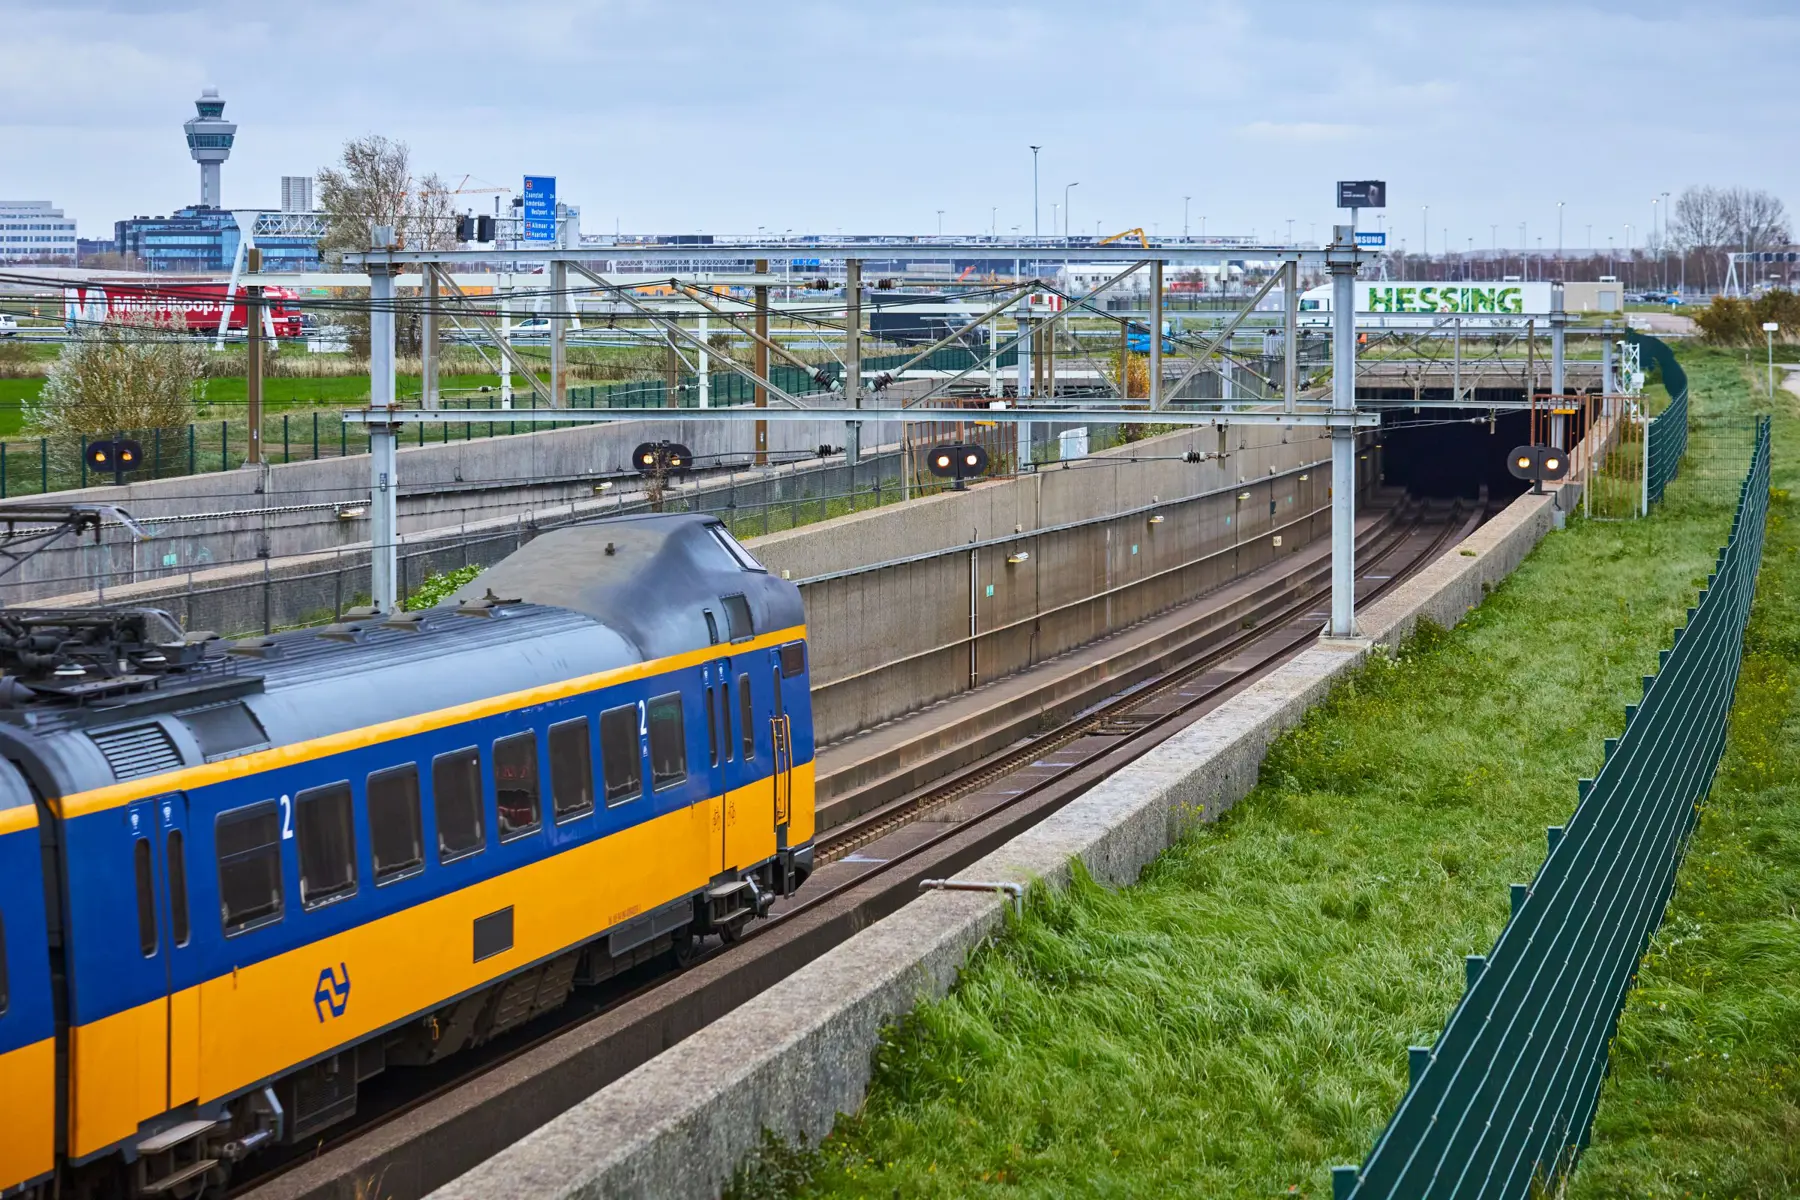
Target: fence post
<point>156,458</point>
<point>84,460</point>
<point>190,469</point>
<point>343,439</point>
<point>44,464</point>
<point>285,456</point>
<point>2,470</point>
<point>224,445</point>
<point>315,435</point>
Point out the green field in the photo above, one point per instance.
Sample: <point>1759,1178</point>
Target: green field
<point>1237,1022</point>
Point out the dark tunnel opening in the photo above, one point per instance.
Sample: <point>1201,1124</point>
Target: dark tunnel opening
<point>1448,452</point>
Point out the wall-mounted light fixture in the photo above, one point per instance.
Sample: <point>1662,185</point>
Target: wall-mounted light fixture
<point>1015,559</point>
<point>1157,519</point>
<point>352,512</point>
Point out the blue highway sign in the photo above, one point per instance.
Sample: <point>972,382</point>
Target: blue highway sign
<point>540,208</point>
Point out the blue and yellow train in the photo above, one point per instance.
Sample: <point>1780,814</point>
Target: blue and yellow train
<point>239,879</point>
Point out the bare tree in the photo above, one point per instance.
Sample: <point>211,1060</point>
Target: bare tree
<point>1755,219</point>
<point>118,376</point>
<point>373,184</point>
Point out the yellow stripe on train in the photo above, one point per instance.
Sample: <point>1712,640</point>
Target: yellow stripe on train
<point>28,1129</point>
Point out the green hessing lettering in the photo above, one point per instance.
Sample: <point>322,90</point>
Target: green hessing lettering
<point>1481,300</point>
<point>1403,299</point>
<point>1381,299</point>
<point>1510,300</point>
<point>1453,299</point>
<point>1428,299</point>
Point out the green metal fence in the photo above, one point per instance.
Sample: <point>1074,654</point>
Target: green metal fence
<point>1667,439</point>
<point>1505,1099</point>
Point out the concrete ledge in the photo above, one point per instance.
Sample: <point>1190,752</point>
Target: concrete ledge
<point>798,1054</point>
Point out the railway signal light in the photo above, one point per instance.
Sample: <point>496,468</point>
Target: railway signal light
<point>1539,464</point>
<point>484,229</point>
<point>117,456</point>
<point>958,463</point>
<point>662,458</point>
<point>465,228</point>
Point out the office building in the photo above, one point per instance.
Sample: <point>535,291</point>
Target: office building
<point>35,231</point>
<point>296,193</point>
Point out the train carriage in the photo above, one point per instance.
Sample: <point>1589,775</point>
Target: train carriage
<point>275,869</point>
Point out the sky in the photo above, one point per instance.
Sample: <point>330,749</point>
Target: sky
<point>1223,116</point>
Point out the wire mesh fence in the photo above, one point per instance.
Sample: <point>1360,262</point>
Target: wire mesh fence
<point>1504,1101</point>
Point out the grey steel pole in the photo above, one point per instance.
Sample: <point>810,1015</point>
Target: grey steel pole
<point>559,333</point>
<point>1290,322</point>
<point>853,355</point>
<point>1156,323</point>
<point>1558,423</point>
<point>1022,445</point>
<point>428,342</point>
<point>1342,266</point>
<point>705,367</point>
<point>384,550</point>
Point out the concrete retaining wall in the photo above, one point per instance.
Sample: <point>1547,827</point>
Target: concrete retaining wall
<point>795,1056</point>
<point>290,509</point>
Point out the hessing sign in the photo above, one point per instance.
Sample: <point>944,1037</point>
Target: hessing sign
<point>1507,299</point>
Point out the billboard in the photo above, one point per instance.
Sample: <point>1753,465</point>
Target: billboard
<point>1403,303</point>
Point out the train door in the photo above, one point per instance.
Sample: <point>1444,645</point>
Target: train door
<point>159,865</point>
<point>724,756</point>
<point>781,738</point>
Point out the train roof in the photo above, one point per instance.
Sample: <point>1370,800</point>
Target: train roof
<point>562,607</point>
<point>656,578</point>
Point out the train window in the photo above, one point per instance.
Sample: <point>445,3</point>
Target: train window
<point>747,717</point>
<point>737,617</point>
<point>620,759</point>
<point>178,897</point>
<point>249,845</point>
<point>456,795</point>
<point>516,784</point>
<point>146,898</point>
<point>735,548</point>
<point>668,742</point>
<point>712,627</point>
<point>793,659</point>
<point>725,712</point>
<point>325,832</point>
<point>775,676</point>
<point>571,769</point>
<point>712,729</point>
<point>395,835</point>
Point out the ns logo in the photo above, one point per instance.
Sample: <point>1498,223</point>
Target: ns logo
<point>331,994</point>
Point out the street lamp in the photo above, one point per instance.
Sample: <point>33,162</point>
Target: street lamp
<point>1185,202</point>
<point>1769,328</point>
<point>1034,190</point>
<point>1066,190</point>
<point>940,213</point>
<point>1559,241</point>
<point>1425,233</point>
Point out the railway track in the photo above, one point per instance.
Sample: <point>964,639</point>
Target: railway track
<point>871,866</point>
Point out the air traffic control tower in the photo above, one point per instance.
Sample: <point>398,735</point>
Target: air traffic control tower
<point>209,140</point>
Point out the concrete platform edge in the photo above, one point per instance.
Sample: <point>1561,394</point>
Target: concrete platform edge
<point>791,1059</point>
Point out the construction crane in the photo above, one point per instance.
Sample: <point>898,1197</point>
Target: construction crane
<point>1119,237</point>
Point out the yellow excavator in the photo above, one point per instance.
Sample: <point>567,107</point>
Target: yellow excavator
<point>1119,237</point>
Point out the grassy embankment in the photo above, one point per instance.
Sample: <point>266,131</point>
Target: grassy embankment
<point>1704,1094</point>
<point>1238,1020</point>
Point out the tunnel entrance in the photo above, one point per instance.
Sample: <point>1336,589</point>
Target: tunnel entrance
<point>1443,453</point>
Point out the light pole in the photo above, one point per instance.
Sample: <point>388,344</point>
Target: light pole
<point>1185,202</point>
<point>1769,328</point>
<point>1066,189</point>
<point>1290,240</point>
<point>1034,190</point>
<point>994,219</point>
<point>1425,233</point>
<point>1630,275</point>
<point>1559,241</point>
<point>1494,232</point>
<point>1663,245</point>
<point>940,213</point>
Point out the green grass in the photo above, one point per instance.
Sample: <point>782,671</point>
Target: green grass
<point>1238,1020</point>
<point>1704,1094</point>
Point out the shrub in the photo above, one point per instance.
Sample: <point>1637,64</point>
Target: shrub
<point>121,375</point>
